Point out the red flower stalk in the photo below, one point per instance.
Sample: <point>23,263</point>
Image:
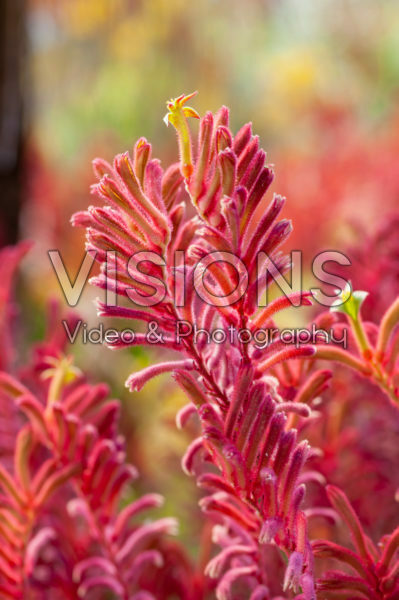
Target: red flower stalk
<point>245,434</point>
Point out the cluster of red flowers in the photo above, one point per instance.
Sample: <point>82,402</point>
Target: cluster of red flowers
<point>269,431</point>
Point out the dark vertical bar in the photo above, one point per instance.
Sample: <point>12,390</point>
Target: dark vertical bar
<point>12,48</point>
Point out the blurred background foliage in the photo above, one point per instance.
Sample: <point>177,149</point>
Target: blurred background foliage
<point>319,80</point>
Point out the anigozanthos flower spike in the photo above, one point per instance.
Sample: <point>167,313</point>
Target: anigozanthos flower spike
<point>177,116</point>
<point>250,401</point>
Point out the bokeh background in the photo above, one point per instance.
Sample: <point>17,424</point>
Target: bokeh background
<point>85,78</point>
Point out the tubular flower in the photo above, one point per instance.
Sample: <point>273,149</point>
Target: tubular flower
<point>177,115</point>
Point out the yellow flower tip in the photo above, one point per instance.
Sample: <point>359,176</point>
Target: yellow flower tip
<point>345,295</point>
<point>190,112</point>
<point>180,100</point>
<point>64,365</point>
<point>176,107</point>
<point>349,301</point>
